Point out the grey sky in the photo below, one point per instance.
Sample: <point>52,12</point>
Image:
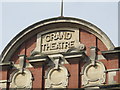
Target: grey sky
<point>16,16</point>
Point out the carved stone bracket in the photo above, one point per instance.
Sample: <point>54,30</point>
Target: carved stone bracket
<point>57,59</point>
<point>93,55</point>
<point>22,62</point>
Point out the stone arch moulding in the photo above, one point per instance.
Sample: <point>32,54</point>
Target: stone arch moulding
<point>51,24</point>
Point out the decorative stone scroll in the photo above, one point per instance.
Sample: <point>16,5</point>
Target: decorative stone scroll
<point>56,78</point>
<point>21,80</point>
<point>57,40</point>
<point>93,74</point>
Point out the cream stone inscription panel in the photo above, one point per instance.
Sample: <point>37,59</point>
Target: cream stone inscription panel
<point>57,40</point>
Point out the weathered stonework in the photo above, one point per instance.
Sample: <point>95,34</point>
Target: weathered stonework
<point>93,75</point>
<point>57,40</point>
<point>21,80</point>
<point>3,84</point>
<point>111,76</point>
<point>56,78</point>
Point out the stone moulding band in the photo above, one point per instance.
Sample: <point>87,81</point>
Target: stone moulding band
<point>3,81</point>
<point>66,55</point>
<point>112,70</point>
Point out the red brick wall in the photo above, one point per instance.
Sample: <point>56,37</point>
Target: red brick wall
<point>73,69</point>
<point>100,46</point>
<point>3,75</point>
<point>88,40</point>
<point>37,79</point>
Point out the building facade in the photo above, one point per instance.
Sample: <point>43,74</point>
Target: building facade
<point>61,52</point>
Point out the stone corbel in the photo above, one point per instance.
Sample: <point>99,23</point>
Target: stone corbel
<point>56,59</point>
<point>93,55</point>
<point>22,62</point>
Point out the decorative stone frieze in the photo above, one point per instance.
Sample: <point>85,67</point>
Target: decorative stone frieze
<point>56,78</point>
<point>21,80</point>
<point>93,74</point>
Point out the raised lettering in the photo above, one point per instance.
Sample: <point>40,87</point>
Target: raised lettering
<point>68,36</point>
<point>72,44</point>
<point>47,38</point>
<point>53,46</point>
<point>57,41</point>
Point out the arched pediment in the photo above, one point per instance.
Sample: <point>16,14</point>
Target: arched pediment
<point>53,23</point>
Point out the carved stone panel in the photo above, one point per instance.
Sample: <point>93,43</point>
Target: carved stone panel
<point>93,75</point>
<point>57,78</point>
<point>21,80</point>
<point>57,40</point>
